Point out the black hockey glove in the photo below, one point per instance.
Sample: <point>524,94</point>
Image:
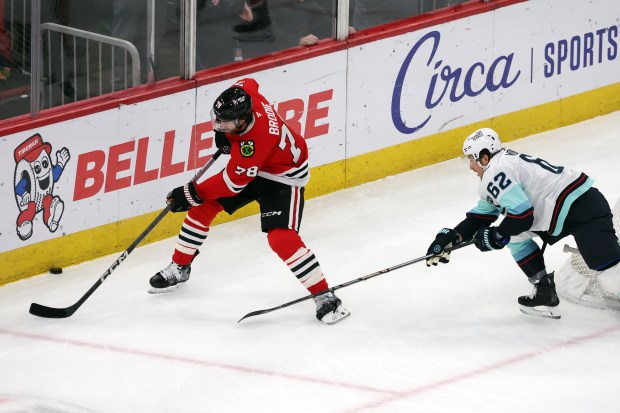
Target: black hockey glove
<point>488,239</point>
<point>183,198</point>
<point>222,143</point>
<point>445,238</point>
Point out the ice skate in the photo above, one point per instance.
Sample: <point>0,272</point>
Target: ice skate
<point>329,308</point>
<point>543,301</point>
<point>168,279</point>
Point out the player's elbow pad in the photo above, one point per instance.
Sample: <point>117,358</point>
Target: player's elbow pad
<point>516,224</point>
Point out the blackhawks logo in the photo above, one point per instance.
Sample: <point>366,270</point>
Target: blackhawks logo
<point>247,148</point>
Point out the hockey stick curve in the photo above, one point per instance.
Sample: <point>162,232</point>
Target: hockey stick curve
<point>40,310</point>
<point>348,283</point>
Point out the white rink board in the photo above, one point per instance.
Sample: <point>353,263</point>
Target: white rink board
<point>96,186</point>
<point>483,66</point>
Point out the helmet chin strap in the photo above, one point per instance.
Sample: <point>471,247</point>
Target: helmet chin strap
<point>217,126</point>
<point>248,121</point>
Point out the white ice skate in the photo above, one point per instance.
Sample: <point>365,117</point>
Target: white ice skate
<point>169,278</point>
<point>329,308</point>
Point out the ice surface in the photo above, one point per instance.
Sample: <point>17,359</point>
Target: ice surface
<point>444,339</point>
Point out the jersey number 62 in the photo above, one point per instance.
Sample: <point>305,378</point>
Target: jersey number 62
<point>502,183</point>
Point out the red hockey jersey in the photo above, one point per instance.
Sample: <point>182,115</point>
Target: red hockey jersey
<point>267,148</point>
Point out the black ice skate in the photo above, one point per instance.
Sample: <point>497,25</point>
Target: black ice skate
<point>329,308</point>
<point>543,301</point>
<point>168,279</point>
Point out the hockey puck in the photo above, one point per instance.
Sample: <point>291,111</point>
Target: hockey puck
<point>56,270</point>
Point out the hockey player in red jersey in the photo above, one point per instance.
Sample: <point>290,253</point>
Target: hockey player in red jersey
<point>269,164</point>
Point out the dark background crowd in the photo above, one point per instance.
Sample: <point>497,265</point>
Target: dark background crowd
<point>227,31</point>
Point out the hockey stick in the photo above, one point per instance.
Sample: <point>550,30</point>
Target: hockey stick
<point>51,312</point>
<point>355,281</point>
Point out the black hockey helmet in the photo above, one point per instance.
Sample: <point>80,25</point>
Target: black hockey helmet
<point>233,104</point>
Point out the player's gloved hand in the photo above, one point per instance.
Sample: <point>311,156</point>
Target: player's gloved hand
<point>222,143</point>
<point>487,239</point>
<point>183,198</point>
<point>445,238</point>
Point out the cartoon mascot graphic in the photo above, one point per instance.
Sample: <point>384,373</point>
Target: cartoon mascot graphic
<point>34,184</point>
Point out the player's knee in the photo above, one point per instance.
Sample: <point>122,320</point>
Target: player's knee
<point>205,212</point>
<point>284,242</point>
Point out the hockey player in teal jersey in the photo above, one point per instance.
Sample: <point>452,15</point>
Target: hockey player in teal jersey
<point>537,199</point>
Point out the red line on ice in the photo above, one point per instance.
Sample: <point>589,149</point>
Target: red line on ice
<point>483,370</point>
<point>195,361</point>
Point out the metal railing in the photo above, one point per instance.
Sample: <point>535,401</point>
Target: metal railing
<point>104,73</point>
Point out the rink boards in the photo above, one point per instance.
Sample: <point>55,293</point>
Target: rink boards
<point>382,103</point>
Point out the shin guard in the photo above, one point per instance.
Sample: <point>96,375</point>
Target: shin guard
<point>194,231</point>
<point>301,261</point>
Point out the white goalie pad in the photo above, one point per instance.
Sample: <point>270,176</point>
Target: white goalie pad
<point>576,283</point>
<point>579,284</point>
<point>610,280</point>
<point>571,281</point>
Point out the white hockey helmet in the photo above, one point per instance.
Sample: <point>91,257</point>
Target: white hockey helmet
<point>482,141</point>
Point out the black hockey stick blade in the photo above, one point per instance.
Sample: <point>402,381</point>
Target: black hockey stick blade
<point>51,312</point>
<point>268,310</point>
<point>355,281</point>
